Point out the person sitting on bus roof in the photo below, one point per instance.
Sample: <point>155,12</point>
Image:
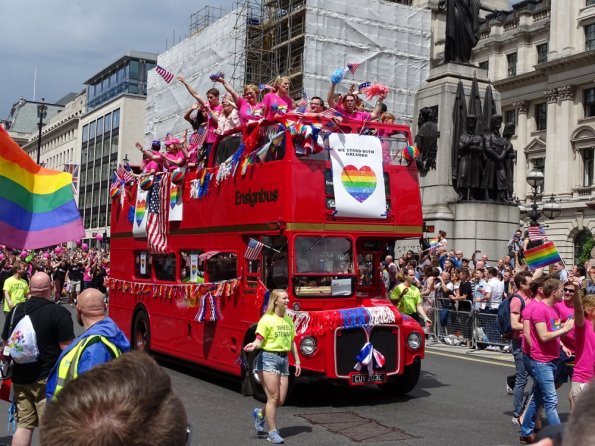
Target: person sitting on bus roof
<point>278,102</point>
<point>249,109</point>
<point>213,108</point>
<point>348,106</point>
<point>154,155</point>
<point>174,157</point>
<point>228,120</point>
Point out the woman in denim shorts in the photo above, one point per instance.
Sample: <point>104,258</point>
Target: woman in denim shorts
<point>275,335</point>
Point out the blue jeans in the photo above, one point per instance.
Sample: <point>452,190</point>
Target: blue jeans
<point>521,377</point>
<point>545,394</point>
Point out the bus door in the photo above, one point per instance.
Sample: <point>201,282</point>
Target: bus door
<point>370,253</point>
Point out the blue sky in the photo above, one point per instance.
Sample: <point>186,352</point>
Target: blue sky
<point>69,41</point>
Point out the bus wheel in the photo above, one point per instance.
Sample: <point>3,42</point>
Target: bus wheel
<point>405,383</point>
<point>257,389</point>
<point>141,333</point>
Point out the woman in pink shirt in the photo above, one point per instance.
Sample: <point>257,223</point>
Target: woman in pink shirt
<point>174,157</point>
<point>277,103</point>
<point>249,109</point>
<point>152,160</point>
<point>584,328</point>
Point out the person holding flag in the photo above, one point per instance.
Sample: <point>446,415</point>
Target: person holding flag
<point>275,335</point>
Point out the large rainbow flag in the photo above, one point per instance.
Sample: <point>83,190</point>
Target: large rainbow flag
<point>542,255</point>
<point>37,208</point>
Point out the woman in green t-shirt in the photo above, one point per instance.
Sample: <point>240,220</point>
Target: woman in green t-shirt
<point>275,335</point>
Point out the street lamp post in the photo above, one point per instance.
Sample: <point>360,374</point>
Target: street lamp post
<point>535,179</point>
<point>41,113</point>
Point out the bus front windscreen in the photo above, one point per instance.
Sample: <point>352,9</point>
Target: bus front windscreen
<point>323,266</point>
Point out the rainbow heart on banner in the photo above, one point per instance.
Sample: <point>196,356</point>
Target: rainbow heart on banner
<point>359,183</point>
<point>174,195</point>
<point>139,211</point>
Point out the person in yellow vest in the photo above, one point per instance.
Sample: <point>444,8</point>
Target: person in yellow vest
<point>407,298</point>
<point>101,342</point>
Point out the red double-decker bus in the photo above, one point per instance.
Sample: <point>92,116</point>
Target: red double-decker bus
<point>275,224</point>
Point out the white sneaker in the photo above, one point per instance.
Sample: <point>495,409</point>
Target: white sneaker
<point>509,391</point>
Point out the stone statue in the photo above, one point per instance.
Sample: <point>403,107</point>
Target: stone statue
<point>470,161</point>
<point>497,150</point>
<point>507,133</point>
<point>462,29</point>
<point>427,139</point>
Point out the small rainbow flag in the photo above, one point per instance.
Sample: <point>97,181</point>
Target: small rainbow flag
<point>542,255</point>
<point>37,208</point>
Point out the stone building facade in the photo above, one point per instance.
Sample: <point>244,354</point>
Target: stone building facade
<point>540,57</point>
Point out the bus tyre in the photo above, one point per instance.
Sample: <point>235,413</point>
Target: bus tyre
<point>405,383</point>
<point>257,388</point>
<point>141,332</point>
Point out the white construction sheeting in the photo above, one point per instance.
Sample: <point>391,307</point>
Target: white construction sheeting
<point>213,49</point>
<point>390,41</point>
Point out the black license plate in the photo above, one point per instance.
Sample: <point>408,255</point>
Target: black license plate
<point>362,379</point>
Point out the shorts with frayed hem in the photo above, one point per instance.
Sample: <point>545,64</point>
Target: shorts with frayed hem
<point>273,363</point>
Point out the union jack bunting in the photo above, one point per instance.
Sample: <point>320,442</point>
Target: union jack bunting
<point>157,214</point>
<point>73,169</point>
<point>166,75</point>
<point>254,249</point>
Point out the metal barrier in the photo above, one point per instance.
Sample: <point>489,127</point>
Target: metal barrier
<point>456,323</point>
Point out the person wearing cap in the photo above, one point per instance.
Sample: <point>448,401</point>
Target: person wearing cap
<point>101,342</point>
<point>174,157</point>
<point>54,331</point>
<point>152,159</point>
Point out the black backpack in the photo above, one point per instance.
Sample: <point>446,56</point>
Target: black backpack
<point>504,325</point>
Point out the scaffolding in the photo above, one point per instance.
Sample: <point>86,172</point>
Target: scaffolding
<point>205,17</point>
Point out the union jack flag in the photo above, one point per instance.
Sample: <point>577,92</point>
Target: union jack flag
<point>157,214</point>
<point>166,75</point>
<point>254,249</point>
<point>73,169</point>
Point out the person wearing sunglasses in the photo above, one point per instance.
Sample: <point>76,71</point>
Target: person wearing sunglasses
<point>249,108</point>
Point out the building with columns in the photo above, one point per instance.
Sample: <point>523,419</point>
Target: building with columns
<point>540,57</point>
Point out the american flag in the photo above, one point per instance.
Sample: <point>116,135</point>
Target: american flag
<point>166,75</point>
<point>157,214</point>
<point>536,233</point>
<point>124,174</point>
<point>302,103</point>
<point>73,169</point>
<point>352,67</point>
<point>329,113</point>
<point>116,183</point>
<point>254,249</point>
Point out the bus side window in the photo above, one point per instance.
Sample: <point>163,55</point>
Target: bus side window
<point>142,264</point>
<point>165,267</point>
<point>222,266</point>
<point>191,266</point>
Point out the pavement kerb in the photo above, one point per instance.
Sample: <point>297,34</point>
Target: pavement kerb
<point>470,353</point>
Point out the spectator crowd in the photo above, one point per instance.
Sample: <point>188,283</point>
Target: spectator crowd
<point>545,318</point>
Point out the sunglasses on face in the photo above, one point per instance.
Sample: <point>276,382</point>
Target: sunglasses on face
<point>568,290</point>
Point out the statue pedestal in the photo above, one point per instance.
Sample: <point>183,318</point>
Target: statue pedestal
<point>470,225</point>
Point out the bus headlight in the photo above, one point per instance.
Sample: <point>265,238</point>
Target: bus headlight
<point>308,346</point>
<point>414,341</point>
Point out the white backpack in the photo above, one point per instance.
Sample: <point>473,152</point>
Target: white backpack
<point>23,341</point>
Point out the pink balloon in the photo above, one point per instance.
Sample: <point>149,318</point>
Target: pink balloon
<point>46,255</point>
<point>99,237</point>
<point>58,250</point>
<point>24,254</point>
<point>84,246</point>
<point>78,242</point>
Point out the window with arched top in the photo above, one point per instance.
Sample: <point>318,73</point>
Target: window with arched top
<point>580,239</point>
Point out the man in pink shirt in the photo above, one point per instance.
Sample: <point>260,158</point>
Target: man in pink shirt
<point>545,332</point>
<point>584,329</point>
<point>518,302</point>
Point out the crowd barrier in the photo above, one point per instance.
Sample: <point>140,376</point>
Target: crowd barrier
<point>459,324</point>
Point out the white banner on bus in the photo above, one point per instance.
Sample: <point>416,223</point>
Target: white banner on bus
<point>175,202</point>
<point>139,224</point>
<point>358,181</point>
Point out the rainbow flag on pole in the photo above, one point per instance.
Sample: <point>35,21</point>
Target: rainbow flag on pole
<point>542,255</point>
<point>37,208</point>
